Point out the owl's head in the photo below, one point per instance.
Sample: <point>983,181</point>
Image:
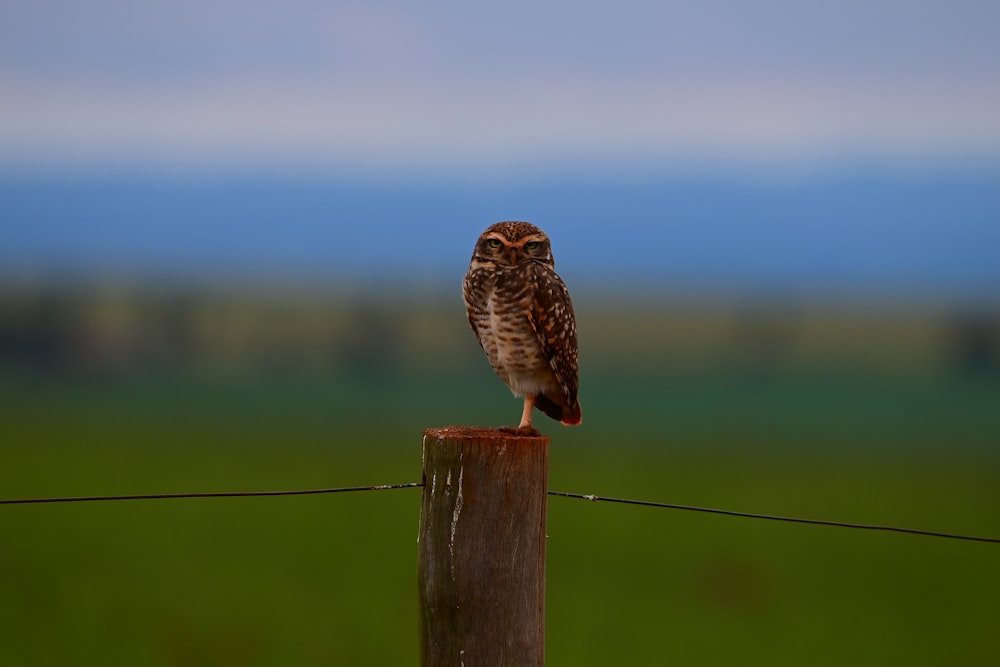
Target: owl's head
<point>511,243</point>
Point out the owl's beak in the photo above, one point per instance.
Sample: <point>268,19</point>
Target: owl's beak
<point>512,256</point>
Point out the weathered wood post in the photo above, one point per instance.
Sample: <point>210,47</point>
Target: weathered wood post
<point>481,556</point>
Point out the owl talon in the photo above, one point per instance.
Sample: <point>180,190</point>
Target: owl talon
<point>523,431</point>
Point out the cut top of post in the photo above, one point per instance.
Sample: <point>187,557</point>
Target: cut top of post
<point>478,433</point>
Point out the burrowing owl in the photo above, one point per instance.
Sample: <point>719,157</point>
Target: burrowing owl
<point>521,313</point>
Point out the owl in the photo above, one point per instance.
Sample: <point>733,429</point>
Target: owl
<point>520,311</point>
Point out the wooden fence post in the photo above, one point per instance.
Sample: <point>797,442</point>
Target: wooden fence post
<point>481,555</point>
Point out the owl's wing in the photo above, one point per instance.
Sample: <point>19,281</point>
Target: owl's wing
<point>552,320</point>
<point>472,292</point>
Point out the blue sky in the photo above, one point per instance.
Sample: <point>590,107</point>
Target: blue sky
<point>850,145</point>
<point>458,86</point>
<point>917,237</point>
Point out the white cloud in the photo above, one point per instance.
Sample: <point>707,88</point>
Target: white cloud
<point>393,84</point>
<point>509,125</point>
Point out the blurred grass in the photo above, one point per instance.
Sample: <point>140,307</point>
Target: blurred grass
<point>331,579</point>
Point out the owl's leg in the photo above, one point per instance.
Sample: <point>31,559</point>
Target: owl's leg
<point>529,405</point>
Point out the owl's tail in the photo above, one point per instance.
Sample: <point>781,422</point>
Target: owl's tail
<point>570,415</point>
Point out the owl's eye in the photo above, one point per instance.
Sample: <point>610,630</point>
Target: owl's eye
<point>495,243</point>
<point>531,245</point>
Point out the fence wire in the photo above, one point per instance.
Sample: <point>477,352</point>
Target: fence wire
<point>562,494</point>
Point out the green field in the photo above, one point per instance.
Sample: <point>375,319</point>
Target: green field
<point>331,579</point>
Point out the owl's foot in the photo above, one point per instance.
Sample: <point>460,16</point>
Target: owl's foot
<point>524,431</point>
<point>524,428</point>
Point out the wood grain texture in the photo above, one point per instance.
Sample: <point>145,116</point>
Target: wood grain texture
<point>481,555</point>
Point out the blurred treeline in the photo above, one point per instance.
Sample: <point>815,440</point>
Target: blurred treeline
<point>119,329</point>
<point>679,372</point>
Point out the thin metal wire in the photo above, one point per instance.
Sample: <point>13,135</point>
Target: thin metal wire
<point>771,517</point>
<point>219,494</point>
<point>563,494</point>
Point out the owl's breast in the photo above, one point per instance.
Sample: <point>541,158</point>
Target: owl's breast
<point>500,316</point>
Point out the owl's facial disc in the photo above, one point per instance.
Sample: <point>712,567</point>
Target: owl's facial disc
<point>500,248</point>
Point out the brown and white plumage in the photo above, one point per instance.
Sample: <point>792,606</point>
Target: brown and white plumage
<point>520,311</point>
